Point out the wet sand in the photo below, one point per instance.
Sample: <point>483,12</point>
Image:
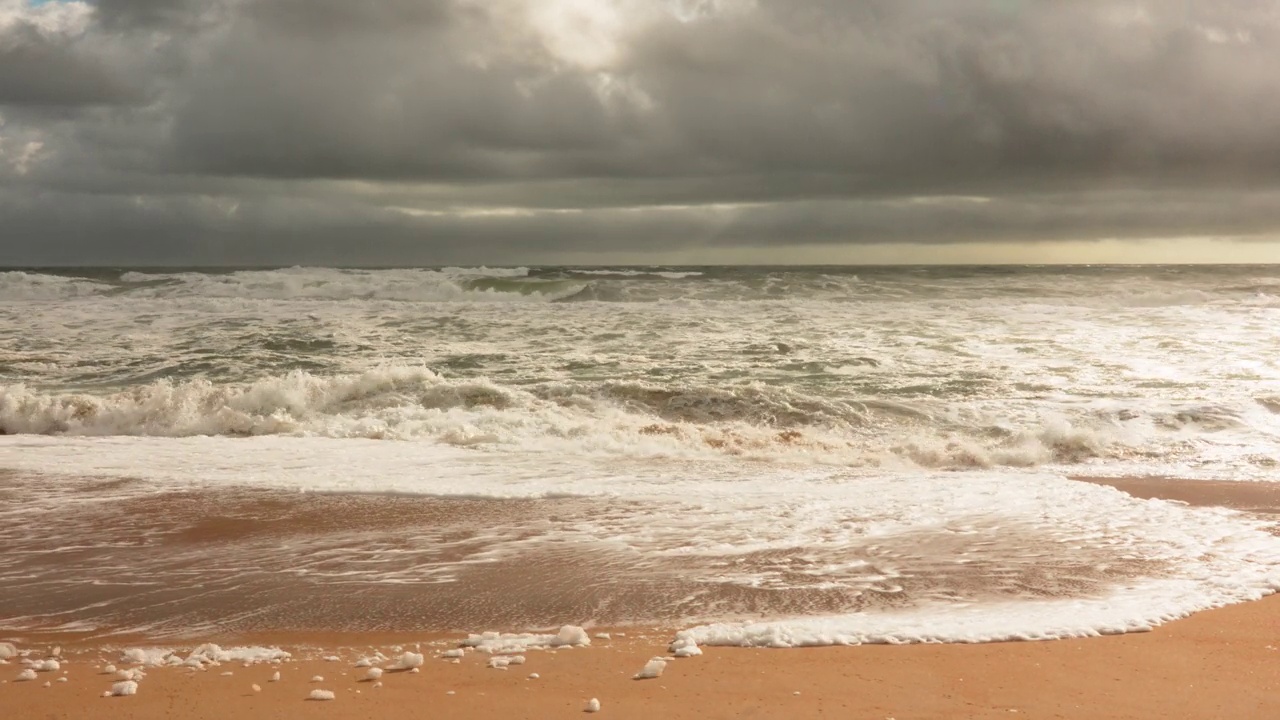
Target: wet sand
<point>1222,663</point>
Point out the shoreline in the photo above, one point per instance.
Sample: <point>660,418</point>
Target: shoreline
<point>1217,663</point>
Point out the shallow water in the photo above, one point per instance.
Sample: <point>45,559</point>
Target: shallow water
<point>660,445</point>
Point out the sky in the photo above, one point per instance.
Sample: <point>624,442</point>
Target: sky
<point>505,132</point>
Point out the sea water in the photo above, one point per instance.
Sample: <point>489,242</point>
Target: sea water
<point>782,456</point>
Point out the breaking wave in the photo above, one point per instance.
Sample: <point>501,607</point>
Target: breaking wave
<point>755,421</point>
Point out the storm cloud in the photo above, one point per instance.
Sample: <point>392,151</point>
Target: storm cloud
<point>440,131</point>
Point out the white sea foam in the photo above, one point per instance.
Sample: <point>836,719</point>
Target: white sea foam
<point>125,687</point>
<point>146,656</point>
<point>321,695</point>
<point>508,643</point>
<point>685,646</point>
<point>7,651</point>
<point>652,669</point>
<point>407,661</point>
<point>1145,605</point>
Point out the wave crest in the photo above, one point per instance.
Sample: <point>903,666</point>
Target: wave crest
<point>756,422</point>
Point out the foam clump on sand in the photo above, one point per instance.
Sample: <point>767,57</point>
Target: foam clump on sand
<point>496,643</point>
<point>48,666</point>
<point>373,674</point>
<point>135,674</point>
<point>593,706</point>
<point>146,656</point>
<point>207,654</point>
<point>408,661</point>
<point>108,669</point>
<point>652,669</point>
<point>683,647</point>
<point>321,695</point>
<point>453,654</point>
<point>317,678</point>
<point>124,687</point>
<point>27,674</point>
<point>213,653</point>
<point>364,662</point>
<point>7,651</point>
<point>275,677</point>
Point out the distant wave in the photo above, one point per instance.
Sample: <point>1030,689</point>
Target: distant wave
<point>666,274</point>
<point>445,285</point>
<point>550,284</point>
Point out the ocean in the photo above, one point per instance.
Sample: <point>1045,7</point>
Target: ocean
<point>762,456</point>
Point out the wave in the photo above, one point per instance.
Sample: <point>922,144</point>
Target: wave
<point>758,422</point>
<point>665,274</point>
<point>299,283</point>
<point>549,284</point>
<point>445,285</point>
<point>20,285</point>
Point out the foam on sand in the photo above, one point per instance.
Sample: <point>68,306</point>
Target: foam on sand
<point>321,695</point>
<point>593,706</point>
<point>407,661</point>
<point>146,656</point>
<point>373,673</point>
<point>496,643</point>
<point>7,651</point>
<point>124,687</point>
<point>27,674</point>
<point>652,669</point>
<point>206,654</point>
<point>683,647</point>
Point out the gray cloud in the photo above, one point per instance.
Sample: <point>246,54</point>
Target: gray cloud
<point>36,69</point>
<point>768,122</point>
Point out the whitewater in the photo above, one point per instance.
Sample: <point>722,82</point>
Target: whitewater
<point>768,456</point>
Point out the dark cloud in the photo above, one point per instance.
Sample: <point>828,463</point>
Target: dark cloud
<point>822,121</point>
<point>328,229</point>
<point>36,69</point>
